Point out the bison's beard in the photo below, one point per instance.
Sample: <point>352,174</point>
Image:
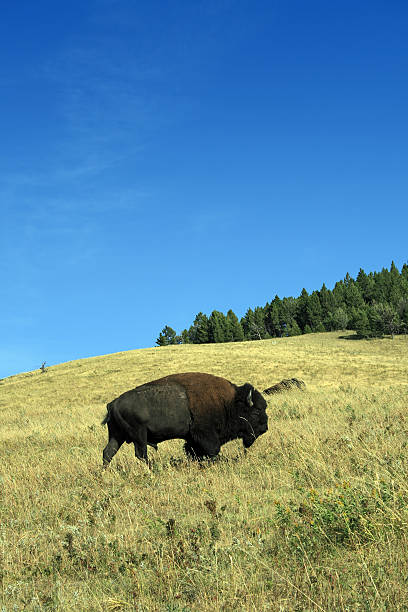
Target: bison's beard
<point>249,437</point>
<point>248,440</point>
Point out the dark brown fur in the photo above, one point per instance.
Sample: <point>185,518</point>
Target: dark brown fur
<point>286,384</point>
<point>204,391</point>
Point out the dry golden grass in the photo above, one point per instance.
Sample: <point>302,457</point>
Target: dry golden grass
<point>313,518</point>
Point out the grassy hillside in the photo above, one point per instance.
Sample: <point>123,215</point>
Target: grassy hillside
<point>313,518</point>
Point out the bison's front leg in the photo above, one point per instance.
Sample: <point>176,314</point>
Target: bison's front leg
<point>206,447</point>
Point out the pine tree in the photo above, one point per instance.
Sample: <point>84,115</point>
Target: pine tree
<point>272,323</point>
<point>354,314</point>
<point>185,339</point>
<point>287,314</point>
<point>259,323</point>
<point>395,288</point>
<point>362,324</point>
<point>340,318</point>
<point>387,318</point>
<point>374,320</point>
<point>228,333</point>
<point>294,329</point>
<point>314,311</point>
<point>198,332</point>
<point>247,323</point>
<point>394,273</point>
<point>235,333</point>
<point>366,284</point>
<point>161,340</point>
<point>217,327</point>
<point>353,296</point>
<point>302,316</point>
<point>328,305</point>
<point>403,314</point>
<point>167,336</point>
<point>382,282</point>
<point>338,294</point>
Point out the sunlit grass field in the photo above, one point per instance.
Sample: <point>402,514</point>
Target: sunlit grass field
<point>314,517</point>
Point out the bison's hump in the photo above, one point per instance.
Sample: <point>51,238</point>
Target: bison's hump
<point>208,395</point>
<point>192,379</point>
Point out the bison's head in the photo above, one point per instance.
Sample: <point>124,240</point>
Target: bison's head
<point>255,419</point>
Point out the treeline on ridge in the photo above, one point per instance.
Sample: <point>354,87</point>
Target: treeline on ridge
<point>373,304</point>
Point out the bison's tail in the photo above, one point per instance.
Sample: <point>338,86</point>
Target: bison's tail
<point>114,416</point>
<point>107,415</point>
<point>130,433</point>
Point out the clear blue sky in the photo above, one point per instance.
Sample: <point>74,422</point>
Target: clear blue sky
<point>161,158</point>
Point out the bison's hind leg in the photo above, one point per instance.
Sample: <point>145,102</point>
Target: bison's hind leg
<point>112,447</point>
<point>140,443</point>
<point>115,441</point>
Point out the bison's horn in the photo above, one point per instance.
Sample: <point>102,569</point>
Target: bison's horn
<point>249,399</point>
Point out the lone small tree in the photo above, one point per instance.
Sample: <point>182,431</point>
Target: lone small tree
<point>167,336</point>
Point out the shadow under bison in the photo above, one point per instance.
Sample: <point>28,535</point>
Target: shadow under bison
<point>204,410</point>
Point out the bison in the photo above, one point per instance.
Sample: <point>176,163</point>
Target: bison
<point>285,385</point>
<point>204,410</point>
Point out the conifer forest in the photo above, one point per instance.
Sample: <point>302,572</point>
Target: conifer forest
<point>374,305</point>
